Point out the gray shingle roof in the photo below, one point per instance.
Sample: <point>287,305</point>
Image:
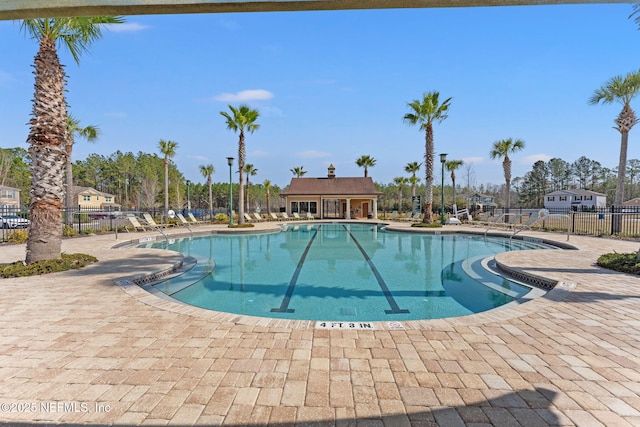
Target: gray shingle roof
<point>331,187</point>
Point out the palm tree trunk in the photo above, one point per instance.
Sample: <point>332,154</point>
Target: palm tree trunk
<point>268,203</point>
<point>69,182</point>
<point>616,224</point>
<point>166,186</point>
<point>428,157</point>
<point>210,198</point>
<point>46,139</point>
<point>241,158</point>
<point>506,166</point>
<point>453,184</point>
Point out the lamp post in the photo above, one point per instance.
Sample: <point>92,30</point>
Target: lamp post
<point>230,163</point>
<point>443,159</point>
<point>188,197</point>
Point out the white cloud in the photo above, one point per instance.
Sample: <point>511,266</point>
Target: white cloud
<point>312,154</point>
<point>126,27</point>
<point>244,96</point>
<point>198,157</point>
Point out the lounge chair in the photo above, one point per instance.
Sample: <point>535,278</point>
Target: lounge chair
<point>285,216</point>
<point>258,217</point>
<point>152,222</point>
<point>297,216</point>
<point>248,218</point>
<point>274,217</point>
<point>460,214</point>
<point>193,218</point>
<point>394,215</point>
<point>135,223</point>
<point>310,216</point>
<point>182,220</point>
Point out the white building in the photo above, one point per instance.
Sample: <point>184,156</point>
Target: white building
<point>574,199</point>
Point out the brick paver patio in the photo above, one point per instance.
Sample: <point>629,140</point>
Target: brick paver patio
<point>77,348</point>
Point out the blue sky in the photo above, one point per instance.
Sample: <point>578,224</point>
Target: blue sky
<point>333,85</point>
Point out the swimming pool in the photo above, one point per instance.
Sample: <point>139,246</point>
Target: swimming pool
<point>344,272</point>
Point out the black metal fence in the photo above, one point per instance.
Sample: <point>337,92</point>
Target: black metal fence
<point>613,220</point>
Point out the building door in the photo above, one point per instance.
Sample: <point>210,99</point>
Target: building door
<point>331,208</point>
<point>365,210</point>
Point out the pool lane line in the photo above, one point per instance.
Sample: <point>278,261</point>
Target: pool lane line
<point>385,290</point>
<point>284,305</point>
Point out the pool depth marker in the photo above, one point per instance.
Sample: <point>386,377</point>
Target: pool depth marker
<point>385,290</point>
<point>284,305</point>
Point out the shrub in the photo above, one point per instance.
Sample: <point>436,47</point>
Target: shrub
<point>66,262</point>
<point>221,218</point>
<point>69,231</point>
<point>18,236</point>
<point>245,225</point>
<point>624,263</point>
<point>422,224</point>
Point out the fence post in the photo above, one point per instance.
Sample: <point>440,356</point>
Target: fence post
<point>573,223</point>
<point>613,219</point>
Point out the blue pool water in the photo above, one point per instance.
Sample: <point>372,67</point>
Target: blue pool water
<point>344,272</point>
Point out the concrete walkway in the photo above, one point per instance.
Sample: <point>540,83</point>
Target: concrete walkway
<point>77,348</point>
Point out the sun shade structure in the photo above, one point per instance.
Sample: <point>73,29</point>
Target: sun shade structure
<point>24,9</point>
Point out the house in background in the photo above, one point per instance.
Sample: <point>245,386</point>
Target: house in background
<point>332,197</point>
<point>92,199</point>
<point>631,205</point>
<point>574,199</point>
<point>9,199</point>
<point>482,202</point>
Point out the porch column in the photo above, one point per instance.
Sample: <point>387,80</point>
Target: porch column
<point>347,214</point>
<point>374,206</point>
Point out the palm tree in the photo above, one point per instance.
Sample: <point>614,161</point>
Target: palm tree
<point>366,162</point>
<point>423,113</point>
<point>298,171</point>
<point>502,149</point>
<point>168,148</point>
<point>413,168</point>
<point>267,188</point>
<point>48,132</point>
<point>400,181</point>
<point>90,133</point>
<point>240,120</point>
<point>250,171</point>
<point>207,171</point>
<point>623,90</point>
<point>451,166</point>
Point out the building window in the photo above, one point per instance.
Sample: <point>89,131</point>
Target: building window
<point>588,197</point>
<point>578,197</point>
<point>86,198</point>
<point>8,194</point>
<point>550,198</point>
<point>304,207</point>
<point>108,199</point>
<point>563,198</point>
